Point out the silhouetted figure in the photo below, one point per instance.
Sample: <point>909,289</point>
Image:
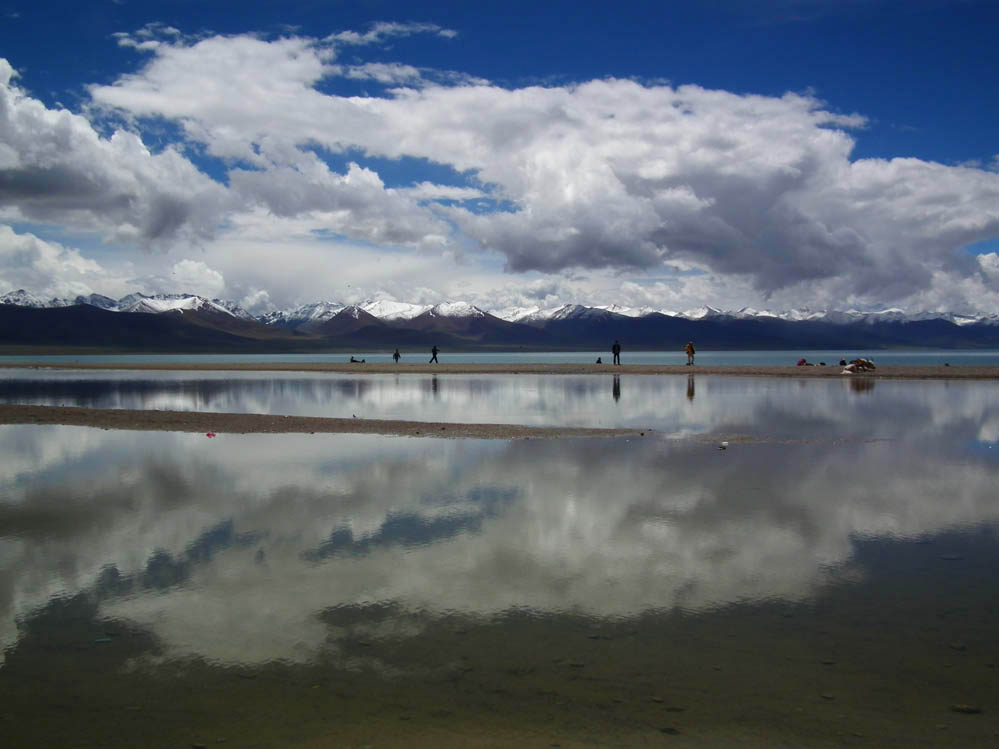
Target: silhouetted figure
<point>356,361</point>
<point>690,387</point>
<point>396,355</point>
<point>599,360</point>
<point>433,356</point>
<point>689,348</point>
<point>616,388</point>
<point>616,350</point>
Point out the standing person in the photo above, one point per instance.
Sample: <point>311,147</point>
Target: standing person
<point>396,355</point>
<point>689,348</point>
<point>616,350</point>
<point>433,355</point>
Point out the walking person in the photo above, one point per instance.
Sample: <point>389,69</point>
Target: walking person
<point>689,348</point>
<point>396,355</point>
<point>433,356</point>
<point>616,350</point>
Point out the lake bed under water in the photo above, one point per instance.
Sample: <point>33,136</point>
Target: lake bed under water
<point>830,581</point>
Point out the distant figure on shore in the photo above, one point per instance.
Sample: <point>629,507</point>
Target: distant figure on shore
<point>600,360</point>
<point>356,361</point>
<point>616,350</point>
<point>433,356</point>
<point>689,348</point>
<point>396,355</point>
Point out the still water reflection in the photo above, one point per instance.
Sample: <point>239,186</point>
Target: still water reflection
<point>335,589</point>
<point>784,407</point>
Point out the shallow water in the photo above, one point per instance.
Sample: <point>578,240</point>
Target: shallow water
<point>674,405</point>
<point>165,589</point>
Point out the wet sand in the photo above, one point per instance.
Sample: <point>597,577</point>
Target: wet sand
<point>240,423</point>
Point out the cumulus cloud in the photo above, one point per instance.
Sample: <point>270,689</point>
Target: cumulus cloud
<point>355,204</point>
<point>197,277</point>
<point>45,268</point>
<point>680,190</point>
<point>604,174</point>
<point>55,167</point>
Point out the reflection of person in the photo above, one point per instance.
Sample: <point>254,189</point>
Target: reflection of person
<point>689,348</point>
<point>396,355</point>
<point>433,355</point>
<point>616,350</point>
<point>690,387</point>
<point>616,388</point>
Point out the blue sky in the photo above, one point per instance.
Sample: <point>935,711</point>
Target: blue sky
<point>666,155</point>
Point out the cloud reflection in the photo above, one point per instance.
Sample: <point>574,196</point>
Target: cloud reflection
<point>235,549</point>
<point>777,407</point>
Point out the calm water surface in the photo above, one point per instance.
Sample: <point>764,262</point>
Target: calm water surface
<point>675,405</point>
<point>836,585</point>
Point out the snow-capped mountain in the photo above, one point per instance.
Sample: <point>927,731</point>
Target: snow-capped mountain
<point>617,309</point>
<point>564,312</point>
<point>22,298</point>
<point>99,301</point>
<point>455,309</point>
<point>317,312</point>
<point>394,311</point>
<point>391,310</point>
<point>702,313</point>
<point>515,314</point>
<point>160,303</point>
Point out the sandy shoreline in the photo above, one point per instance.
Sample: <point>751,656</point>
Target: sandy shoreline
<point>893,372</point>
<point>240,423</point>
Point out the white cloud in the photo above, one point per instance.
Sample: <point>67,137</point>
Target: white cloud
<point>58,169</point>
<point>381,31</point>
<point>195,276</point>
<point>388,73</point>
<point>604,182</point>
<point>45,268</point>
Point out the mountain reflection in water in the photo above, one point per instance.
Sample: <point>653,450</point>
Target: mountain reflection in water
<point>607,572</point>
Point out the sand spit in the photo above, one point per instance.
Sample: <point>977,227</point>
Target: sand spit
<point>894,372</point>
<point>239,423</point>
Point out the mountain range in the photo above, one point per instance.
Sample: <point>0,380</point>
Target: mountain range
<point>188,322</point>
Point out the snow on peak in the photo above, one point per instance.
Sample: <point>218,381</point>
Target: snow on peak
<point>456,309</point>
<point>514,314</point>
<point>160,303</point>
<point>351,310</point>
<point>390,310</point>
<point>617,309</point>
<point>22,298</point>
<point>702,313</point>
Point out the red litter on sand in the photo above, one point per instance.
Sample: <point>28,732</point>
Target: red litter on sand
<point>209,434</point>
